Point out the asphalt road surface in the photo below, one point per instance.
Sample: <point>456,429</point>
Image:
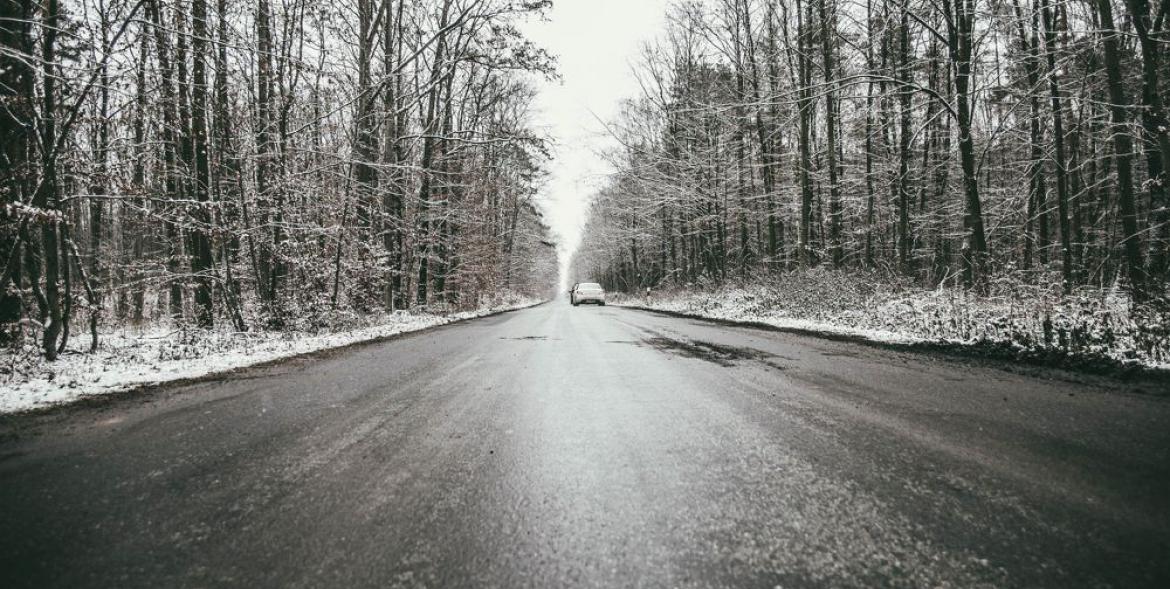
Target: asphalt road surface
<point>596,446</point>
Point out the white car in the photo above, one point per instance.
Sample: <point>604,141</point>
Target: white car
<point>587,292</point>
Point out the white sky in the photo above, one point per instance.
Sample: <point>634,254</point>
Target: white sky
<point>596,43</point>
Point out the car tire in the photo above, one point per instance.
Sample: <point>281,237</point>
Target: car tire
<point>602,303</point>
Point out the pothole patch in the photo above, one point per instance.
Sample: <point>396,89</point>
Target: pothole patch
<point>711,352</point>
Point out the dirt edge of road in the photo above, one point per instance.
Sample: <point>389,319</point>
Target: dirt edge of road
<point>1072,368</point>
<point>12,423</point>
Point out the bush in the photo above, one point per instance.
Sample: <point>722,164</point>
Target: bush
<point>1011,314</point>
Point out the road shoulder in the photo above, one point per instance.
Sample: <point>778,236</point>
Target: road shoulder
<point>1133,378</point>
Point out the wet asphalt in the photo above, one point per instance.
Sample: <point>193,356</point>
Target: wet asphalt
<point>597,447</point>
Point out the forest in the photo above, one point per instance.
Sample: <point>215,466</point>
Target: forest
<point>264,164</point>
<point>971,171</point>
<point>1010,149</point>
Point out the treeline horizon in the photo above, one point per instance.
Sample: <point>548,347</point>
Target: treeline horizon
<point>265,163</point>
<point>952,142</point>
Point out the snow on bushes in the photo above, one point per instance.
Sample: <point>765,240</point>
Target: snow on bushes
<point>1029,320</point>
<point>132,357</point>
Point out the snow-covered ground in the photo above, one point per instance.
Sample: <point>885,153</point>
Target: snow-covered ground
<point>729,311</point>
<point>1087,325</point>
<point>129,358</point>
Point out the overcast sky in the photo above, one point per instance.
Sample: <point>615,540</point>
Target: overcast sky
<point>596,42</point>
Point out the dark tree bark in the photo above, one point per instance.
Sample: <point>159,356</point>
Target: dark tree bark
<point>1155,132</point>
<point>365,140</point>
<point>225,172</point>
<point>134,224</point>
<point>170,141</point>
<point>828,36</point>
<point>264,260</point>
<point>99,180</point>
<point>776,221</point>
<point>430,120</point>
<point>393,204</point>
<point>47,195</point>
<point>905,133</point>
<point>17,154</point>
<point>1131,239</point>
<point>201,259</point>
<point>1036,224</point>
<point>1062,191</point>
<point>960,24</point>
<point>869,130</point>
<point>804,104</point>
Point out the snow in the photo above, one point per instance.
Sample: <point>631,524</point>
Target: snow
<point>737,313</point>
<point>130,358</point>
<point>1085,325</point>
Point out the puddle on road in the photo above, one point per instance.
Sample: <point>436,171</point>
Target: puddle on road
<point>722,355</point>
<point>532,338</point>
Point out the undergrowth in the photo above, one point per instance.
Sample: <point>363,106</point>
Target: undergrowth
<point>1009,315</point>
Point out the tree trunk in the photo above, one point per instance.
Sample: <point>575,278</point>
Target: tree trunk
<point>17,155</point>
<point>828,35</point>
<point>904,238</point>
<point>428,155</point>
<point>1062,191</point>
<point>960,43</point>
<point>1156,135</point>
<point>392,204</point>
<point>804,103</point>
<point>201,260</point>
<point>47,197</point>
<point>170,149</point>
<point>1122,152</point>
<point>265,258</point>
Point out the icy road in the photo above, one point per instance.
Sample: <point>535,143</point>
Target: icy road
<point>596,446</point>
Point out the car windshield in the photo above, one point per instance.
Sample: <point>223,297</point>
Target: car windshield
<point>589,286</point>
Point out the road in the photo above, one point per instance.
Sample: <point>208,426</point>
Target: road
<point>596,446</point>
